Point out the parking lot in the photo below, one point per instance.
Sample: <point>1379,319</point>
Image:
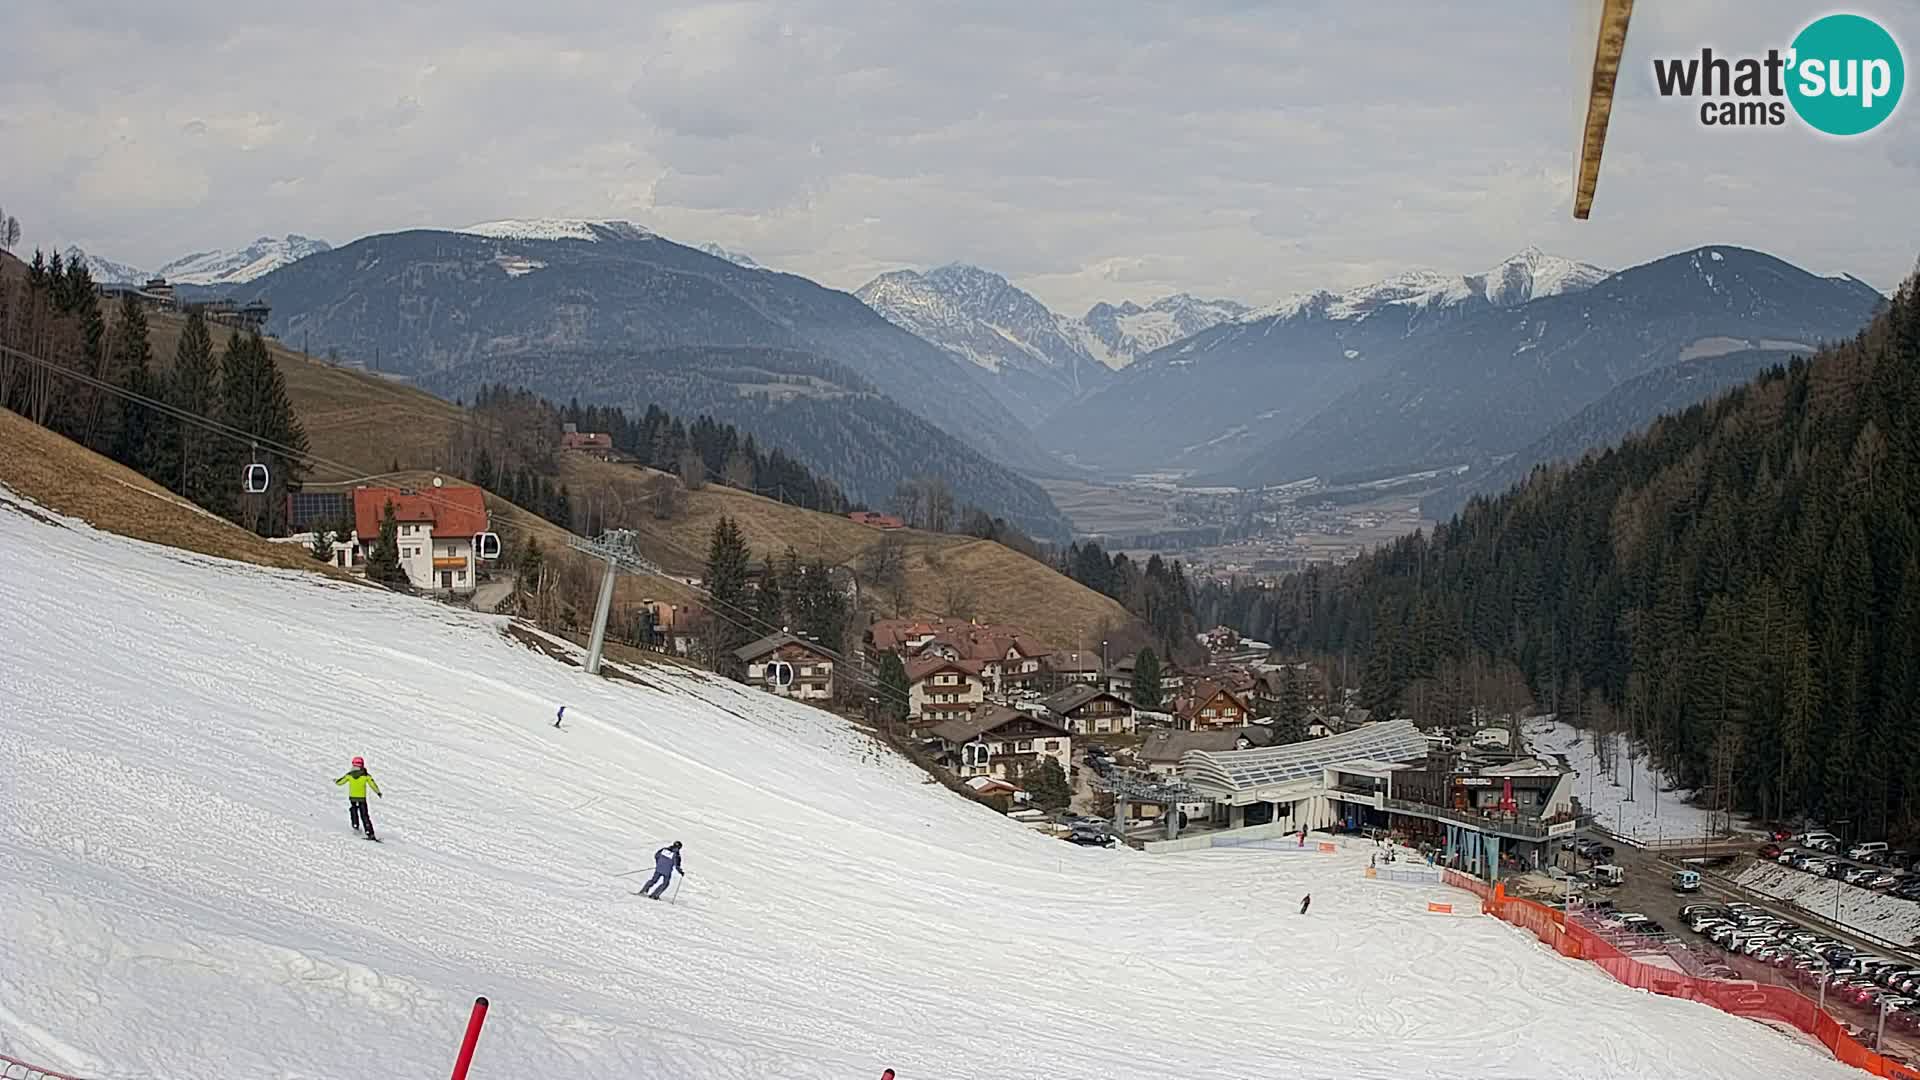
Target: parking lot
<point>1648,889</point>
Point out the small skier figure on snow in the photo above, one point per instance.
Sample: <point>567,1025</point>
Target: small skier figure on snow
<point>1306,902</point>
<point>665,862</point>
<point>357,781</point>
<point>557,717</point>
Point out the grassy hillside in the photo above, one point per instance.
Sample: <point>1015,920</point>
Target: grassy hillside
<point>64,476</point>
<point>367,423</point>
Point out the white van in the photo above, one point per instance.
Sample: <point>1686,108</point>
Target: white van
<point>1872,849</point>
<point>1821,841</point>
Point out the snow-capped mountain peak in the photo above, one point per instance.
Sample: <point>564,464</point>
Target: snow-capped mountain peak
<point>235,266</point>
<point>106,271</point>
<point>1117,334</point>
<point>1533,273</point>
<point>737,258</point>
<point>985,320</point>
<point>558,229</point>
<point>1528,275</point>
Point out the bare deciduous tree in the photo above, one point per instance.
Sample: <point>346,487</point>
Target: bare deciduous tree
<point>939,503</point>
<point>739,473</point>
<point>957,596</point>
<point>693,471</point>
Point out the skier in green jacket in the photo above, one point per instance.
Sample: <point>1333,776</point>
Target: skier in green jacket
<point>357,781</point>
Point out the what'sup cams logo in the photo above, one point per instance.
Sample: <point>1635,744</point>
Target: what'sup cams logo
<point>1842,75</point>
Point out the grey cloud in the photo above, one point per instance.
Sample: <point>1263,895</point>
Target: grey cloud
<point>1089,148</point>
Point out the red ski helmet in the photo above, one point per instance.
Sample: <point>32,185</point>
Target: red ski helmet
<point>359,762</point>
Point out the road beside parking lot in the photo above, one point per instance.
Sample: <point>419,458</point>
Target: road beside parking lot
<point>1648,889</point>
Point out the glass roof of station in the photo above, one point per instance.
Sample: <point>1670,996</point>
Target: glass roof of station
<point>1239,770</point>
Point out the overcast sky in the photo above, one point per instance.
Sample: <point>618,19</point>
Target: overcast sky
<point>1107,149</point>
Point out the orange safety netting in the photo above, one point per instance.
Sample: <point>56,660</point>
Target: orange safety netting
<point>15,1069</point>
<point>1754,1000</point>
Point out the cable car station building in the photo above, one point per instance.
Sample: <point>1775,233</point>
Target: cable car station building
<point>1384,776</point>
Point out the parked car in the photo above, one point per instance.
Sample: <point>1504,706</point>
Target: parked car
<point>1090,835</point>
<point>1691,910</point>
<point>1823,841</point>
<point>1872,849</point>
<point>1770,851</point>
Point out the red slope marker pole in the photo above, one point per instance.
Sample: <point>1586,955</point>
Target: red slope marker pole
<point>473,1036</point>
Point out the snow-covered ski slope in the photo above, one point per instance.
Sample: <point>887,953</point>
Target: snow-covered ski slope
<point>182,896</point>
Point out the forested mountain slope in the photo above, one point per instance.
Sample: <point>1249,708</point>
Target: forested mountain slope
<point>1740,587</point>
<point>826,416</point>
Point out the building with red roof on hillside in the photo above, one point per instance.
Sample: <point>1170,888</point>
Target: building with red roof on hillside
<point>436,527</point>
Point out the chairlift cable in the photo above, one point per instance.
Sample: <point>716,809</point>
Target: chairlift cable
<point>854,672</point>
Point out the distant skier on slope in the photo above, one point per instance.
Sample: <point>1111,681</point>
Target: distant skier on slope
<point>557,717</point>
<point>357,781</point>
<point>1306,902</point>
<point>665,862</point>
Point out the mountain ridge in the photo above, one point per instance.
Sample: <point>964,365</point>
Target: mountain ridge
<point>1205,402</point>
<point>1018,347</point>
<point>220,266</point>
<point>822,415</point>
<point>1495,382</point>
<point>422,300</point>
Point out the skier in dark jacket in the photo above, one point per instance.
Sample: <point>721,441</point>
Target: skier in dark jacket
<point>357,781</point>
<point>665,862</point>
<point>1305,902</point>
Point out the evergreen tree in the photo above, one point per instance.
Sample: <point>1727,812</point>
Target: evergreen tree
<point>125,425</point>
<point>187,452</point>
<point>893,688</point>
<point>726,581</point>
<point>253,400</point>
<point>1147,693</point>
<point>1046,785</point>
<point>383,561</point>
<point>1290,719</point>
<point>820,608</point>
<point>769,599</point>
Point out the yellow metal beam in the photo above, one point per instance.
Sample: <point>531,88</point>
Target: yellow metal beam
<point>1606,70</point>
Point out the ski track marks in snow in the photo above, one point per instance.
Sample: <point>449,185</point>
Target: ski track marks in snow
<point>185,897</point>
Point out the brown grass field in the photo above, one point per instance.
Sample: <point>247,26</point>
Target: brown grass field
<point>62,475</point>
<point>366,423</point>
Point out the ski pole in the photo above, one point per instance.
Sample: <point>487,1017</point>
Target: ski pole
<point>676,888</point>
<point>630,873</point>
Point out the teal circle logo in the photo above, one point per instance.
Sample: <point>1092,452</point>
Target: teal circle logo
<point>1846,76</point>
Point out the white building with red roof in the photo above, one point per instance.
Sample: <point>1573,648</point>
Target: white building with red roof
<point>435,532</point>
